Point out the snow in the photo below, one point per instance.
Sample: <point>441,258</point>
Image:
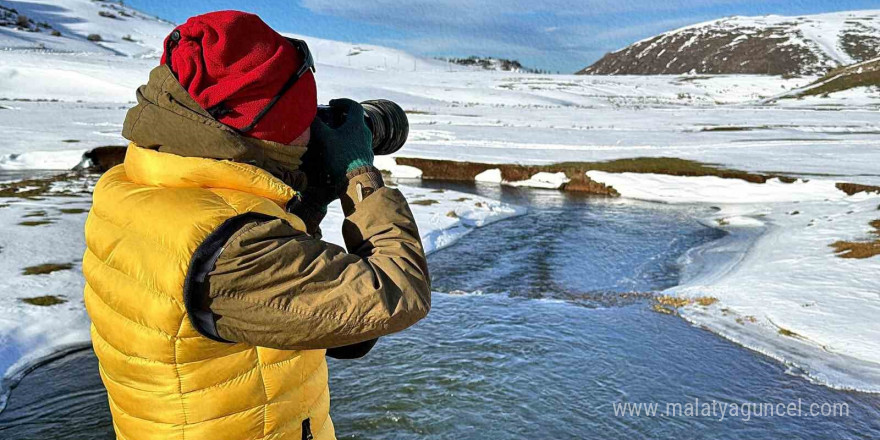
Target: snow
<point>489,176</point>
<point>776,272</point>
<point>387,163</point>
<point>61,96</point>
<point>77,19</point>
<point>711,189</point>
<point>543,180</point>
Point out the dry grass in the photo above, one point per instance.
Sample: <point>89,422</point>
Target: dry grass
<point>669,305</point>
<point>73,210</point>
<point>452,214</point>
<point>789,333</point>
<point>845,78</point>
<point>424,202</point>
<point>748,318</point>
<point>44,301</point>
<point>35,223</point>
<point>35,188</point>
<point>673,301</point>
<point>860,249</point>
<point>42,269</point>
<point>664,310</point>
<point>706,301</point>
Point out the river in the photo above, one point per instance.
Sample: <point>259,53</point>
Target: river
<point>543,324</point>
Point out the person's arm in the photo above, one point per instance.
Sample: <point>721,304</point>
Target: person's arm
<point>276,287</point>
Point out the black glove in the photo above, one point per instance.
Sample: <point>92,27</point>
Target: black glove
<point>344,147</point>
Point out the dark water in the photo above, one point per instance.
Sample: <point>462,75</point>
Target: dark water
<point>556,334</point>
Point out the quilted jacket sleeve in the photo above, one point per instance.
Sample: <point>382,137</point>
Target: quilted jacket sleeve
<point>274,286</point>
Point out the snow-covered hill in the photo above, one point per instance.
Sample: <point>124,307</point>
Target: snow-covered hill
<point>772,44</point>
<point>84,27</point>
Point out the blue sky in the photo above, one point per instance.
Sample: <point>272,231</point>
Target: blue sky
<point>563,35</point>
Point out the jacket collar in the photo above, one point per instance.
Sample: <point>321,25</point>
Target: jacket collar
<point>166,119</point>
<point>155,168</point>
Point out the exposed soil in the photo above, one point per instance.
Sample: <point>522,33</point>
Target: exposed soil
<point>855,188</point>
<point>47,268</point>
<point>712,51</point>
<point>46,300</point>
<point>435,169</point>
<point>860,249</point>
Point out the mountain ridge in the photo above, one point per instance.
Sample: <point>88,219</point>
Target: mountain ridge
<point>769,44</point>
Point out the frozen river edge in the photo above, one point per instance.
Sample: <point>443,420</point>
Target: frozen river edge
<point>775,284</point>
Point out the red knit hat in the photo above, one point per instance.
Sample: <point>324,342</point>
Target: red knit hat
<point>233,64</point>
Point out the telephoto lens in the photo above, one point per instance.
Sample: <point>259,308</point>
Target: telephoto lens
<point>385,119</point>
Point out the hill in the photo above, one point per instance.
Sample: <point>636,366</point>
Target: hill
<point>776,45</point>
<point>864,74</point>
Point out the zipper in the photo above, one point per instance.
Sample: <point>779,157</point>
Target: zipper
<point>307,430</point>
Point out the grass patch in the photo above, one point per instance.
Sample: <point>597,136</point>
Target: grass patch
<point>673,301</point>
<point>35,188</point>
<point>44,301</point>
<point>659,308</point>
<point>35,223</point>
<point>452,214</point>
<point>73,210</point>
<point>860,249</point>
<point>71,141</point>
<point>845,78</point>
<point>424,202</point>
<point>748,318</point>
<point>706,301</point>
<point>461,199</point>
<point>43,269</point>
<point>35,214</point>
<point>789,333</point>
<point>669,305</point>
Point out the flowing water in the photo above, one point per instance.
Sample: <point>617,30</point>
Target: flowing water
<point>548,326</point>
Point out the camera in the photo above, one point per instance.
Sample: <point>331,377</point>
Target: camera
<point>385,119</point>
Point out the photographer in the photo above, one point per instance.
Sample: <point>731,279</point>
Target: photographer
<point>212,296</point>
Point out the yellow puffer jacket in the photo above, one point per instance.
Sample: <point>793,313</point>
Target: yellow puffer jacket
<point>164,379</point>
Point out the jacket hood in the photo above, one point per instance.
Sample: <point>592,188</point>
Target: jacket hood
<point>167,119</point>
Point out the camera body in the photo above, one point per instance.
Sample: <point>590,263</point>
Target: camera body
<point>385,119</point>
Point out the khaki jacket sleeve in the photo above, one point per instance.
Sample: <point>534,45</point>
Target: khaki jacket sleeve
<point>273,286</point>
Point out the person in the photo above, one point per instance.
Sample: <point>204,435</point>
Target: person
<point>212,297</point>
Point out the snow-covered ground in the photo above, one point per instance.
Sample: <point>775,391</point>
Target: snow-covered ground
<point>58,100</point>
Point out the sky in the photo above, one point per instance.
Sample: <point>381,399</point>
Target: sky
<point>556,35</point>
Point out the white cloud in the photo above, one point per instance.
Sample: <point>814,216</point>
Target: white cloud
<point>568,34</point>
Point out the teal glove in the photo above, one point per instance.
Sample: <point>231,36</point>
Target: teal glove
<point>346,147</point>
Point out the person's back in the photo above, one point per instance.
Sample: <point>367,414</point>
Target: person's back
<point>212,303</point>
